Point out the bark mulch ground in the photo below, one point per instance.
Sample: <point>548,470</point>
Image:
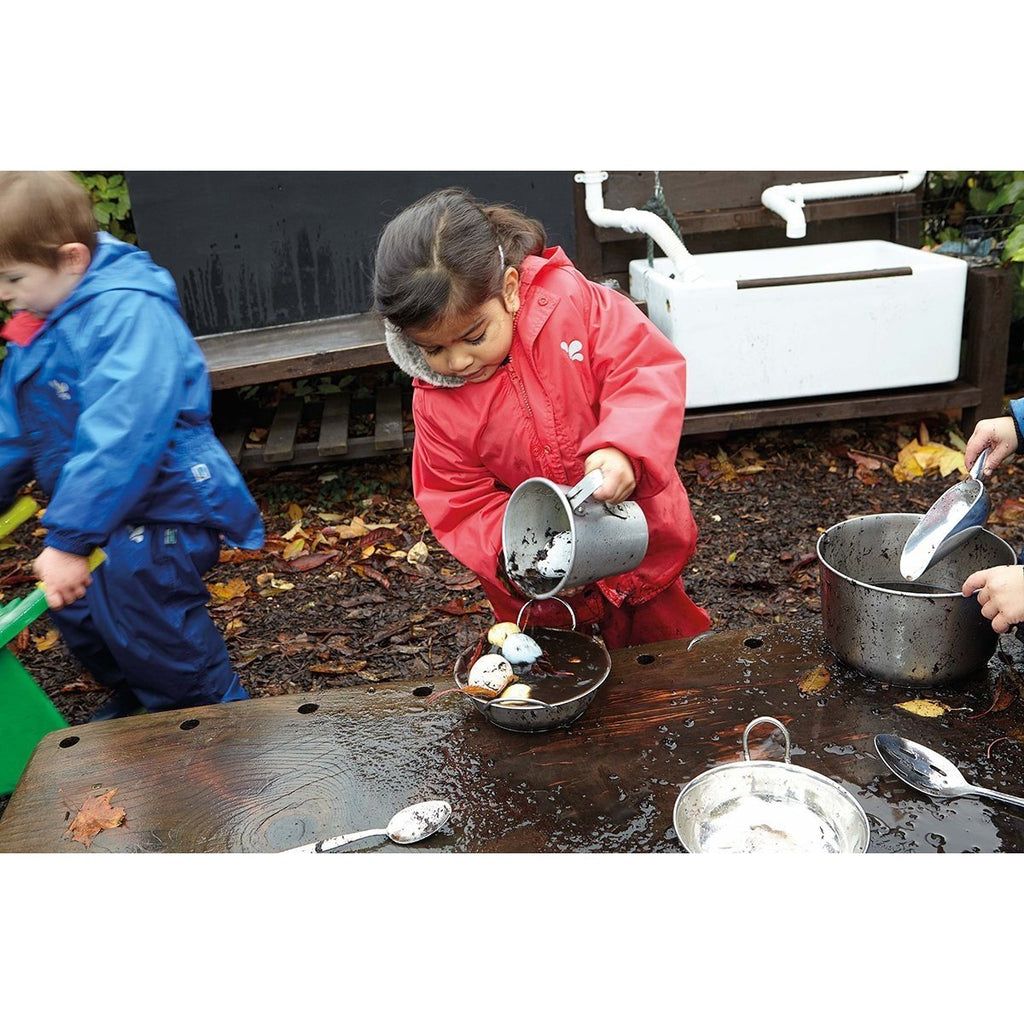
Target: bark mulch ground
<point>352,589</point>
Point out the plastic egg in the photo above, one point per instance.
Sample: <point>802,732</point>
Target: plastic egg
<point>557,559</point>
<point>491,671</point>
<point>500,631</point>
<point>521,649</point>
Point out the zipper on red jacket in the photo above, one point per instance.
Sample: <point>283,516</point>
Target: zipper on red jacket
<point>520,387</point>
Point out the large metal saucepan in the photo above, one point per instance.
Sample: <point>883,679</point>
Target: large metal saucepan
<point>924,633</point>
<point>768,807</point>
<point>579,664</point>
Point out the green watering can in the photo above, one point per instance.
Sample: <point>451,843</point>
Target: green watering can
<point>26,713</point>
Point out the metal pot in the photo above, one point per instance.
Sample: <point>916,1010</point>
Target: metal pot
<point>768,807</point>
<point>530,715</point>
<point>919,634</point>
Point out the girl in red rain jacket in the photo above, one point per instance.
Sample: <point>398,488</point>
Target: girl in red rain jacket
<point>522,367</point>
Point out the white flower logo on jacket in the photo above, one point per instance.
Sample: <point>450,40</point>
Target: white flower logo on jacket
<point>574,350</point>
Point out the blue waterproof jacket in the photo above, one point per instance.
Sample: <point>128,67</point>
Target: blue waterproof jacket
<point>108,409</point>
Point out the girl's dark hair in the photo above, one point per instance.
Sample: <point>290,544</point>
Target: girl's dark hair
<point>440,256</point>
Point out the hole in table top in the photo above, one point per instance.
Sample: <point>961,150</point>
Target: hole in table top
<point>423,691</point>
<point>307,709</point>
<point>753,641</point>
<point>189,723</point>
<point>68,741</point>
<point>645,659</point>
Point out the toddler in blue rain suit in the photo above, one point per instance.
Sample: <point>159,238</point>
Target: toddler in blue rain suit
<point>105,403</point>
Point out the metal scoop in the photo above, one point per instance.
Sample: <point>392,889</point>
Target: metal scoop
<point>955,517</point>
<point>409,825</point>
<point>930,772</point>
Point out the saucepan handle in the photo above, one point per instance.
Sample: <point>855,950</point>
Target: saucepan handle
<point>758,721</point>
<point>568,608</point>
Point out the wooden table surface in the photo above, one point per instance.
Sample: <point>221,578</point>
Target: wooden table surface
<point>268,774</point>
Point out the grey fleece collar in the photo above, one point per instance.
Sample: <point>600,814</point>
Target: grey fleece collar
<point>409,358</point>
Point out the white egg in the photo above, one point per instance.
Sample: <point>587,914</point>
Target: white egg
<point>491,671</point>
<point>557,559</point>
<point>521,649</point>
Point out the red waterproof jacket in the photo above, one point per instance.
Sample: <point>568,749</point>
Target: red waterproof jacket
<point>587,370</point>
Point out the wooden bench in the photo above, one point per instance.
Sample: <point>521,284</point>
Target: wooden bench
<point>316,348</point>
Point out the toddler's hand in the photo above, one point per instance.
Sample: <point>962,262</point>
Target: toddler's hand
<point>1000,594</point>
<point>619,480</point>
<point>999,435</point>
<point>64,576</point>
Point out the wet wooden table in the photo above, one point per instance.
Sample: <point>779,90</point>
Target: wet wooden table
<point>265,775</point>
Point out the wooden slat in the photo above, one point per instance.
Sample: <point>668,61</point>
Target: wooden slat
<point>387,435</point>
<point>280,446</point>
<point>234,442</point>
<point>306,453</point>
<point>333,438</point>
<point>959,395</point>
<point>316,347</point>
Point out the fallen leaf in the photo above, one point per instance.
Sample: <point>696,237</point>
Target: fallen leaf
<point>357,528</point>
<point>230,590</point>
<point>418,552</point>
<point>338,668</point>
<point>1009,512</point>
<point>294,512</point>
<point>44,643</point>
<point>295,531</point>
<point>1003,697</point>
<point>306,562</point>
<point>925,708</point>
<point>917,460</point>
<point>815,680</point>
<point>459,607</point>
<point>293,549</point>
<point>95,816</point>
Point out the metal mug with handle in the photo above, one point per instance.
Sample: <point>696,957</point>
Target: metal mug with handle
<point>556,537</point>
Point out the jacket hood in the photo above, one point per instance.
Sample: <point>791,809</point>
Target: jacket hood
<point>410,359</point>
<point>118,265</point>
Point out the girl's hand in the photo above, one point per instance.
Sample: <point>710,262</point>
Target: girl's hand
<point>997,434</point>
<point>619,480</point>
<point>1000,594</point>
<point>64,576</point>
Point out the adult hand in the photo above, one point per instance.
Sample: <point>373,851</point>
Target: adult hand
<point>64,576</point>
<point>1000,594</point>
<point>997,434</point>
<point>619,480</point>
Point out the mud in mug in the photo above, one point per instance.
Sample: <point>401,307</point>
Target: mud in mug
<point>556,537</point>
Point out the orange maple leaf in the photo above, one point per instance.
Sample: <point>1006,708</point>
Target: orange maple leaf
<point>95,815</point>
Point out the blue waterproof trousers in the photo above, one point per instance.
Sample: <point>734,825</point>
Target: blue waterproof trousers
<point>143,625</point>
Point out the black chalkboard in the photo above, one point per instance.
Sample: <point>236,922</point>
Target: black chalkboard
<point>260,248</point>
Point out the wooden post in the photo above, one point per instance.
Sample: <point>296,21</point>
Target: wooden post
<point>987,308</point>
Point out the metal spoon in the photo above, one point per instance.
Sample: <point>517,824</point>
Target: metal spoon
<point>409,825</point>
<point>957,514</point>
<point>930,772</point>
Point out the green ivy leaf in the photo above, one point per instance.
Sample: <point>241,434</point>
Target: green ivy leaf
<point>979,198</point>
<point>1013,247</point>
<point>1007,195</point>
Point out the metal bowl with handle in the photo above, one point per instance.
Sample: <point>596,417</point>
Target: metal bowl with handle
<point>768,807</point>
<point>533,715</point>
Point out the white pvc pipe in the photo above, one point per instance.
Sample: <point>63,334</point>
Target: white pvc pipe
<point>788,200</point>
<point>634,220</point>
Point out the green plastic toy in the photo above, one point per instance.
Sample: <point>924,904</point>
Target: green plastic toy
<point>26,713</point>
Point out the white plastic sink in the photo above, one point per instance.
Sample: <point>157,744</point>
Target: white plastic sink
<point>809,320</point>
